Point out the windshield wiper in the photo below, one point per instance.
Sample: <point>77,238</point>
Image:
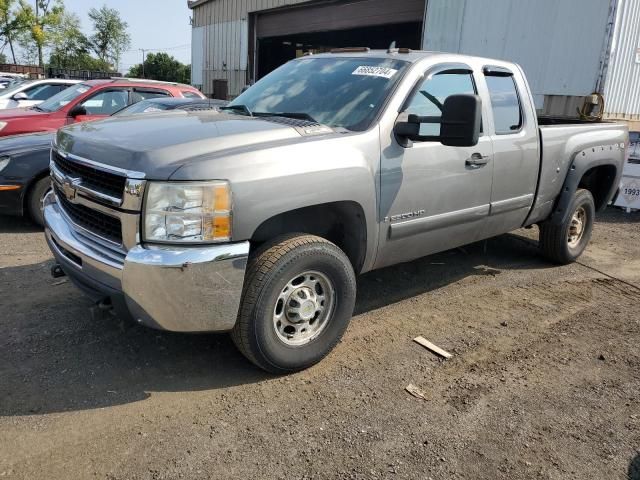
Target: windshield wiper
<point>36,107</point>
<point>238,108</point>
<point>296,115</point>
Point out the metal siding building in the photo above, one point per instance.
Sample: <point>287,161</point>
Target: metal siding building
<point>622,84</point>
<point>558,43</point>
<point>237,41</point>
<point>568,48</point>
<point>220,42</point>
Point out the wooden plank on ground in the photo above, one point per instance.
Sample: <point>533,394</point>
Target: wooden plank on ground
<point>430,346</point>
<point>415,391</point>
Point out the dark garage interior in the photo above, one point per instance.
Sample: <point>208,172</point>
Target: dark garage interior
<point>286,33</point>
<point>274,51</point>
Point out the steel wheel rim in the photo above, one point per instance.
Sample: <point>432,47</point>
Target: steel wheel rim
<point>577,227</point>
<point>303,308</point>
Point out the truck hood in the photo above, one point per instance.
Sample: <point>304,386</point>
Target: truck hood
<point>158,144</point>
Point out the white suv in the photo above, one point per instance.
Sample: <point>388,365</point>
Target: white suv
<point>32,92</point>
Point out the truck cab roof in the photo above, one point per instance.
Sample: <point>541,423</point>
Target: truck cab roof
<point>408,55</point>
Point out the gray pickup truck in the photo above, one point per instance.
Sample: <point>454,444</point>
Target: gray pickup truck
<point>256,220</point>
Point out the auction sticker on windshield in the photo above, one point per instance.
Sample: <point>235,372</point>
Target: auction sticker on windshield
<point>369,71</point>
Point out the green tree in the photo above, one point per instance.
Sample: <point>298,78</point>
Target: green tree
<point>110,36</point>
<point>39,22</point>
<point>70,48</point>
<point>10,26</point>
<point>162,66</point>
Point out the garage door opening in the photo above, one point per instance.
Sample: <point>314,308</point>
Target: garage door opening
<point>288,32</point>
<point>274,51</point>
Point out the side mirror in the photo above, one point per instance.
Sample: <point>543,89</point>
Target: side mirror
<point>461,120</point>
<point>20,96</point>
<point>407,130</point>
<point>460,123</point>
<point>77,111</point>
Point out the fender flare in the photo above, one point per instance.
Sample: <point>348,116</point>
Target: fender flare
<point>577,169</point>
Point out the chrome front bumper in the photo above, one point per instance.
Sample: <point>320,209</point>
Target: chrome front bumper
<point>190,289</point>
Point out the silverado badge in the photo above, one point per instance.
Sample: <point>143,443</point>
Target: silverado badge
<point>69,188</point>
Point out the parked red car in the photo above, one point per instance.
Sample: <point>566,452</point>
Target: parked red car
<point>90,100</point>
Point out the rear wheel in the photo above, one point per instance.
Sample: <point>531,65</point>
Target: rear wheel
<point>35,197</point>
<point>564,243</point>
<point>297,301</point>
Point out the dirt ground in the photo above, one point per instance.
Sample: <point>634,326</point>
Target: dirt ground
<point>544,381</point>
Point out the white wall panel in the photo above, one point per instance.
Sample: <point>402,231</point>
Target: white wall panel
<point>227,45</point>
<point>559,43</point>
<point>622,84</point>
<point>197,55</point>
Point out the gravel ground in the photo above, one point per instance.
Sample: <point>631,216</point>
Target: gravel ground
<point>544,381</point>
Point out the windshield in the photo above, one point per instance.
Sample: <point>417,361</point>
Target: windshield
<point>338,92</point>
<point>63,98</point>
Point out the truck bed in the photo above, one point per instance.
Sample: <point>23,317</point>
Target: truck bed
<point>562,139</point>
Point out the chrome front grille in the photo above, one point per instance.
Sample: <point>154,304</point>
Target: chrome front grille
<point>100,181</point>
<point>101,203</point>
<point>103,225</point>
<point>115,187</point>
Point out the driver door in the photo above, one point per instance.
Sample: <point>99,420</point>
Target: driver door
<point>434,197</point>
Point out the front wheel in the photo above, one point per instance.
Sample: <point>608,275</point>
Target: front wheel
<point>564,243</point>
<point>298,298</point>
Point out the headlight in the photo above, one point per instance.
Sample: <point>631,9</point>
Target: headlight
<point>4,161</point>
<point>188,212</point>
<point>2,125</point>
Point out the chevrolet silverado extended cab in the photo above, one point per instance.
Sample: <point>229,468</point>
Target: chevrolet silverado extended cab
<point>257,219</point>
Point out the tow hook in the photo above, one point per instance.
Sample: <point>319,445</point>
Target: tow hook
<point>101,308</point>
<point>57,272</point>
<point>104,304</point>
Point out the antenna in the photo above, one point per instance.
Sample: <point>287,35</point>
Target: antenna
<point>392,47</point>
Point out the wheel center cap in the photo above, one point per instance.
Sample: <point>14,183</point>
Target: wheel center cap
<point>576,228</point>
<point>307,310</point>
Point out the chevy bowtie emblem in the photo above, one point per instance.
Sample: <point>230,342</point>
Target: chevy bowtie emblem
<point>69,188</point>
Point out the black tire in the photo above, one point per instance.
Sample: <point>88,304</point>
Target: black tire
<point>34,200</point>
<point>554,239</point>
<point>269,271</point>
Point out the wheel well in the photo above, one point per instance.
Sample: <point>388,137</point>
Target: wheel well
<point>342,223</point>
<point>599,181</point>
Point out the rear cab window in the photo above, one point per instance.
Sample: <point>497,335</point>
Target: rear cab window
<point>140,94</point>
<point>505,101</point>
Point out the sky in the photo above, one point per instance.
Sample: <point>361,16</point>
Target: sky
<point>162,25</point>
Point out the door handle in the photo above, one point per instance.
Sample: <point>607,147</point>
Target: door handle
<point>477,160</point>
